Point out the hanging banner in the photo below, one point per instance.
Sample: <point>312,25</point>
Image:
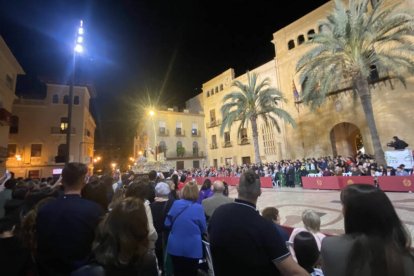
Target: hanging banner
<point>394,158</point>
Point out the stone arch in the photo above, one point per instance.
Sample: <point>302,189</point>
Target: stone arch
<point>346,139</point>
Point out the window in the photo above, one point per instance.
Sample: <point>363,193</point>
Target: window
<point>212,115</point>
<point>34,174</point>
<point>301,39</point>
<point>243,133</point>
<point>65,99</point>
<point>11,150</point>
<point>227,137</point>
<point>179,144</point>
<point>228,161</point>
<point>213,141</point>
<point>212,92</point>
<point>9,82</point>
<point>195,148</point>
<point>180,165</point>
<point>179,128</point>
<point>162,127</point>
<point>216,89</point>
<point>162,147</point>
<point>87,133</point>
<point>310,34</point>
<point>76,100</point>
<point>55,99</point>
<point>63,124</point>
<point>194,129</point>
<point>196,164</point>
<point>36,150</point>
<point>215,163</point>
<point>221,87</point>
<point>291,44</point>
<point>14,124</point>
<point>208,94</point>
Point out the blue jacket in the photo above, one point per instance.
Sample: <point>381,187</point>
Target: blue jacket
<point>187,222</point>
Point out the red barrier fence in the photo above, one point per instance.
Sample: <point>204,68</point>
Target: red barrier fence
<point>266,182</point>
<point>386,183</point>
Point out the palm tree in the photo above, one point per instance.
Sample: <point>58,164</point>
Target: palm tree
<point>355,40</point>
<point>252,101</point>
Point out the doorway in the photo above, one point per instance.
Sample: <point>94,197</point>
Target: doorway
<point>346,139</point>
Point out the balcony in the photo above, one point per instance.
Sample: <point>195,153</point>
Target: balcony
<point>58,130</point>
<point>179,132</point>
<point>213,123</point>
<point>226,144</point>
<point>162,132</point>
<point>190,155</point>
<point>243,141</point>
<point>213,146</point>
<point>195,133</point>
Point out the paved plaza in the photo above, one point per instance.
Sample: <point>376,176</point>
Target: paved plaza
<point>292,201</point>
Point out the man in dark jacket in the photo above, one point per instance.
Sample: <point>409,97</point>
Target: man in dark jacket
<point>397,144</point>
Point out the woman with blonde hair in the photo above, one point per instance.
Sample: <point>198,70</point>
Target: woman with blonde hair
<point>187,222</point>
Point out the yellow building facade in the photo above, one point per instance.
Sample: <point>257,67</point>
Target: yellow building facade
<point>37,140</point>
<point>177,137</point>
<point>9,70</point>
<point>338,127</point>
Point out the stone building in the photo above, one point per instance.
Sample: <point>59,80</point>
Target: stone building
<point>37,141</point>
<point>9,70</point>
<point>177,137</point>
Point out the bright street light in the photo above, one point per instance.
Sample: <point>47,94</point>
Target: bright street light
<point>151,113</point>
<point>79,48</point>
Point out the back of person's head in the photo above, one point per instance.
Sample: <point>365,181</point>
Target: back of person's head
<point>183,178</point>
<point>218,186</point>
<point>162,189</point>
<point>190,191</point>
<point>380,237</point>
<point>10,184</point>
<point>206,184</point>
<point>174,179</point>
<point>152,175</point>
<point>138,188</point>
<point>73,174</point>
<point>306,250</point>
<point>271,213</point>
<point>249,185</point>
<point>367,210</point>
<point>311,220</point>
<point>96,191</point>
<point>122,236</point>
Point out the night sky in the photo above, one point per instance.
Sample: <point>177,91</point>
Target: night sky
<point>143,49</point>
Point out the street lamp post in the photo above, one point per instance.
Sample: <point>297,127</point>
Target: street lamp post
<point>78,49</point>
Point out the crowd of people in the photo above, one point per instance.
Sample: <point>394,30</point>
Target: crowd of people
<point>157,225</point>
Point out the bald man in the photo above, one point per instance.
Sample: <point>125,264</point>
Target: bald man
<point>210,204</point>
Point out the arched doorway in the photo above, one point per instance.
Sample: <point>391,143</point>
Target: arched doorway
<point>346,139</point>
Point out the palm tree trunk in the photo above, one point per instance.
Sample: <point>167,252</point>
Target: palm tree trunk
<point>255,140</point>
<point>365,96</point>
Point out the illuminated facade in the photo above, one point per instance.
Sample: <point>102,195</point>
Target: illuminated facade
<point>37,141</point>
<point>177,137</point>
<point>9,70</point>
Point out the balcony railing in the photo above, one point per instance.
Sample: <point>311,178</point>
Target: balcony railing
<point>179,132</point>
<point>243,141</point>
<point>213,146</point>
<point>190,155</point>
<point>58,130</point>
<point>213,123</point>
<point>227,144</point>
<point>163,132</point>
